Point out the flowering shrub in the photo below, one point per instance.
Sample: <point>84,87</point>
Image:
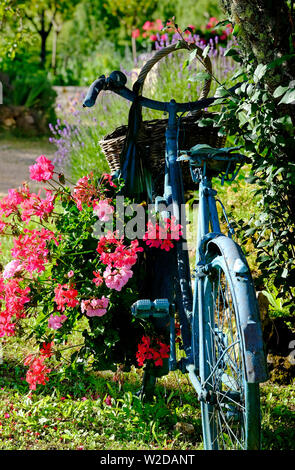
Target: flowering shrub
<point>67,274</point>
<point>155,31</point>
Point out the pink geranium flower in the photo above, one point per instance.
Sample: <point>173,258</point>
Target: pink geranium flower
<point>103,210</point>
<point>3,226</point>
<point>37,373</point>
<point>35,206</point>
<point>55,321</point>
<point>9,204</point>
<point>117,278</point>
<point>85,191</point>
<point>148,25</point>
<point>160,236</point>
<point>95,307</point>
<point>42,170</point>
<point>30,248</point>
<point>98,279</point>
<point>11,269</point>
<point>135,33</point>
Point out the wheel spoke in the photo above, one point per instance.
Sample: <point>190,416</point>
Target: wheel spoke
<point>225,368</point>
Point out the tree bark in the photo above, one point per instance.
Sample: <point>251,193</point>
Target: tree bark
<point>265,29</point>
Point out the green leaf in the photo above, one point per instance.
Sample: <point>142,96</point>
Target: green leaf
<point>220,92</point>
<point>236,29</point>
<point>259,72</point>
<point>230,52</point>
<point>285,273</point>
<point>192,55</point>
<point>243,118</point>
<point>279,91</point>
<point>205,51</point>
<point>280,60</point>
<point>285,121</point>
<point>234,54</point>
<point>205,122</point>
<point>199,76</point>
<point>238,74</point>
<point>288,97</point>
<point>185,64</point>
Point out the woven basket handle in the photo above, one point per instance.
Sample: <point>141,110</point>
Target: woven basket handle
<point>172,48</point>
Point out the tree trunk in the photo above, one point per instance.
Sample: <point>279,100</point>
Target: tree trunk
<point>56,30</point>
<point>43,36</point>
<point>265,28</point>
<point>265,34</point>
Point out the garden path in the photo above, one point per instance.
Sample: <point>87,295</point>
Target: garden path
<point>16,155</point>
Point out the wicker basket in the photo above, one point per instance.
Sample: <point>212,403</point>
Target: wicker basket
<point>151,137</point>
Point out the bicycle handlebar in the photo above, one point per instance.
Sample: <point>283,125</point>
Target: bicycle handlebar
<point>93,91</point>
<point>116,83</point>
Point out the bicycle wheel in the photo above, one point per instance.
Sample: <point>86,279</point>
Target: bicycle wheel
<point>231,413</point>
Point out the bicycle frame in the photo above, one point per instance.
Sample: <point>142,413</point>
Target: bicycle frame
<point>191,305</point>
<point>196,305</point>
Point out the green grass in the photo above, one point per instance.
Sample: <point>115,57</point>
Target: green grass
<point>75,413</point>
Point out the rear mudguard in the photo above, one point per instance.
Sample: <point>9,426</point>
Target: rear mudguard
<point>242,285</point>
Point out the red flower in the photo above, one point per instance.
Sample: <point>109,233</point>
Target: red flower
<point>148,25</point>
<point>37,373</point>
<point>106,177</point>
<point>98,279</point>
<point>65,296</point>
<point>30,248</point>
<point>46,350</point>
<point>135,33</point>
<point>85,191</point>
<point>160,236</point>
<point>42,170</point>
<point>152,350</point>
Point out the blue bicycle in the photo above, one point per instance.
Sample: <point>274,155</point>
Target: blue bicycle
<point>215,301</point>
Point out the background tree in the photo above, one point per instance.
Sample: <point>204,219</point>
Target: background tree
<point>12,30</point>
<point>132,14</point>
<point>45,15</point>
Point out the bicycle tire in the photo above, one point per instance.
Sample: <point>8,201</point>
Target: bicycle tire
<point>231,414</point>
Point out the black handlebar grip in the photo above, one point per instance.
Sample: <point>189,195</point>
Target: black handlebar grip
<point>117,79</point>
<point>93,92</point>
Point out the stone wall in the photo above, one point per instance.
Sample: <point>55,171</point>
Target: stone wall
<point>27,121</point>
<point>31,122</point>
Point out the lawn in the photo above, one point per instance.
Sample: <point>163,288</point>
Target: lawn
<point>94,411</point>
